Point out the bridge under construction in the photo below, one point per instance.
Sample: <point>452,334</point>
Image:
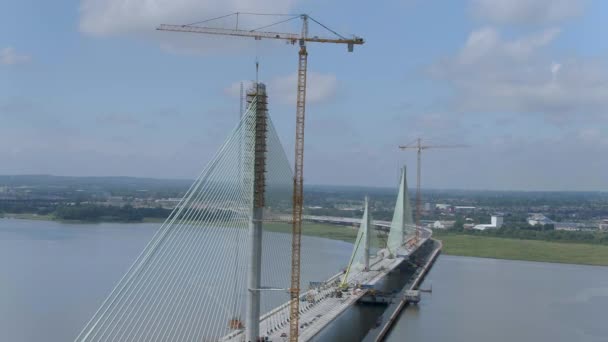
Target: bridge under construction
<point>209,274</point>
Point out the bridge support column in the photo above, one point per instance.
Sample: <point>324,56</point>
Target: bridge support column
<point>368,224</point>
<point>252,324</point>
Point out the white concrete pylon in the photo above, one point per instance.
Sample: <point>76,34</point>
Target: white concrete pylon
<point>366,225</point>
<point>403,222</point>
<point>256,95</point>
<point>360,258</point>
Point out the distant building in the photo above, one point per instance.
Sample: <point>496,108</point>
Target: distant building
<point>495,223</point>
<point>348,207</point>
<point>167,203</point>
<point>441,206</point>
<point>427,206</point>
<point>539,219</point>
<point>442,224</point>
<point>603,225</point>
<point>464,209</point>
<point>315,207</point>
<point>574,226</point>
<point>567,227</point>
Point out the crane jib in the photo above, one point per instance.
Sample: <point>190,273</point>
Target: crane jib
<point>292,37</point>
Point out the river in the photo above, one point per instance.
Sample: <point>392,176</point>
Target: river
<point>54,275</point>
<point>477,300</point>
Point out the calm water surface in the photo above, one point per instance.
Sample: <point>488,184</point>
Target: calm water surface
<point>477,300</point>
<point>53,276</point>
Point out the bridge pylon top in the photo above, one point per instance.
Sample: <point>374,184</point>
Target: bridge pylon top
<point>402,224</point>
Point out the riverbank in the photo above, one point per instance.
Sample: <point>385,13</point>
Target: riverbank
<point>528,250</point>
<point>328,231</point>
<point>51,217</point>
<point>453,243</point>
<point>478,246</point>
<point>28,216</point>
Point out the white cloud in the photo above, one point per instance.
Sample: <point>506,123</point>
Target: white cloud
<point>8,56</point>
<point>519,75</point>
<point>555,67</point>
<point>319,88</point>
<point>526,11</point>
<point>106,17</point>
<point>141,17</point>
<point>486,42</point>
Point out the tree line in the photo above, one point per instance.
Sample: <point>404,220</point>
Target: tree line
<point>84,212</point>
<point>126,213</point>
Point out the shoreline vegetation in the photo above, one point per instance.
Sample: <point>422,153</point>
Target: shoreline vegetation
<point>52,217</point>
<point>328,231</point>
<point>509,248</point>
<point>454,243</point>
<point>87,213</point>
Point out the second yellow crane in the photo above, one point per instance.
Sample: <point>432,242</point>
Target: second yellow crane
<point>418,146</point>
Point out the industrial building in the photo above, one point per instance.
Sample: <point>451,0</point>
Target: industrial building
<point>442,224</point>
<point>460,208</point>
<point>444,207</point>
<point>539,219</point>
<point>496,222</point>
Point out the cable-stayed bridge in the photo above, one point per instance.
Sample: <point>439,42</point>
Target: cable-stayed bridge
<point>212,273</point>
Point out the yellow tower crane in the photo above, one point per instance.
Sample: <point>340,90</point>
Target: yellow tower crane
<point>302,38</point>
<point>417,145</point>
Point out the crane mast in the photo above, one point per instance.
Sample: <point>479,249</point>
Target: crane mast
<point>298,188</point>
<point>418,194</point>
<point>298,180</point>
<point>418,146</point>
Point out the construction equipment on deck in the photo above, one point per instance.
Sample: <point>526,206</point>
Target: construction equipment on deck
<point>417,145</point>
<point>302,38</point>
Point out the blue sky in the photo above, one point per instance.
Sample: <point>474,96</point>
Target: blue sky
<point>90,88</point>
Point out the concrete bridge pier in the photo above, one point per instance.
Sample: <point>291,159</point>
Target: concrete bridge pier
<point>368,224</point>
<point>252,325</point>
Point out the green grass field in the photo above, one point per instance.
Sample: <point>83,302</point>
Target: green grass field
<point>531,250</point>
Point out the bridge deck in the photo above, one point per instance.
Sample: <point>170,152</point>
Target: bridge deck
<point>324,312</point>
<point>325,307</point>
